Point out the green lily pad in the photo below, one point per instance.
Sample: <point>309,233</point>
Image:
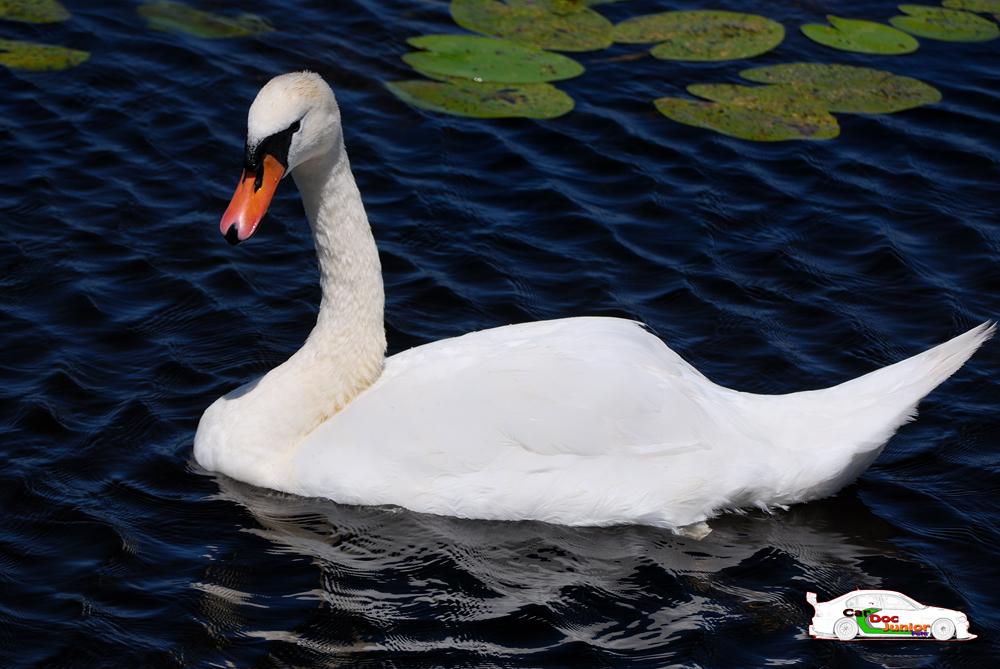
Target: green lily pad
<point>488,59</point>
<point>176,17</point>
<point>948,25</point>
<point>461,97</point>
<point>558,6</point>
<point>33,11</point>
<point>34,57</point>
<point>702,35</point>
<point>547,24</point>
<point>777,99</point>
<point>766,121</point>
<point>849,90</point>
<point>860,36</point>
<point>983,6</point>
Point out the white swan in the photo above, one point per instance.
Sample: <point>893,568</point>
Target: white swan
<point>581,421</point>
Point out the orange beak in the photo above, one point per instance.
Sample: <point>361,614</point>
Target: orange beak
<point>250,201</point>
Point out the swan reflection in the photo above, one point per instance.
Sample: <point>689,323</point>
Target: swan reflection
<point>387,580</point>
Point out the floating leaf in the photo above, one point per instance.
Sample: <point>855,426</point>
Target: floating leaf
<point>948,25</point>
<point>767,113</point>
<point>488,59</point>
<point>860,36</point>
<point>778,99</point>
<point>571,28</point>
<point>850,90</point>
<point>984,6</point>
<point>176,17</point>
<point>33,11</point>
<point>483,100</point>
<point>702,35</point>
<point>34,57</point>
<point>560,7</point>
<point>763,123</point>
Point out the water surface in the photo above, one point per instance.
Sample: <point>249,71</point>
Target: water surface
<point>772,267</point>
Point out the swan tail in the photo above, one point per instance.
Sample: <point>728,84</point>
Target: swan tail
<point>907,382</point>
<point>838,432</point>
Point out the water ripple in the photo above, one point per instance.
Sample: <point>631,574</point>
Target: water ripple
<point>772,267</point>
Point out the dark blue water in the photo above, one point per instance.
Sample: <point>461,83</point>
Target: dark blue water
<point>771,267</point>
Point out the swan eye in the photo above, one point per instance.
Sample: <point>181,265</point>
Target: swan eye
<point>276,145</point>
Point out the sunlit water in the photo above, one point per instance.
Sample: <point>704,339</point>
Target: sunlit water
<point>772,267</point>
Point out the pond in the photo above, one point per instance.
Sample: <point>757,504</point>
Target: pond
<point>773,267</point>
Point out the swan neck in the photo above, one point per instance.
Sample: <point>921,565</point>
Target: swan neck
<point>265,420</point>
<point>349,334</point>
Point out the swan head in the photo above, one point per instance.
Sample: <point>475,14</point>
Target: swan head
<point>294,119</point>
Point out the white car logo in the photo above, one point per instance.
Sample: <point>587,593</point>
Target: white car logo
<point>884,614</point>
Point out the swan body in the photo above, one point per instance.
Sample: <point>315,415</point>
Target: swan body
<point>579,421</point>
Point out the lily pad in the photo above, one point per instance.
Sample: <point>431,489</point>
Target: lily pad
<point>488,59</point>
<point>850,90</point>
<point>483,100</point>
<point>860,36</point>
<point>778,99</point>
<point>558,6</point>
<point>698,35</point>
<point>176,17</point>
<point>34,57</point>
<point>762,122</point>
<point>984,6</point>
<point>948,25</point>
<point>33,11</point>
<point>547,24</point>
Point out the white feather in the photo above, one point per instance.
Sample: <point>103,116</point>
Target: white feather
<point>582,421</point>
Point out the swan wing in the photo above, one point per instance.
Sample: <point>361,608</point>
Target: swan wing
<point>497,406</point>
<point>595,421</point>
